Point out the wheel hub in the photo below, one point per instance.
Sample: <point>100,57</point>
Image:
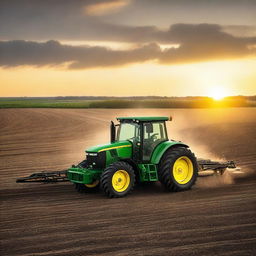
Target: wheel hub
<point>120,180</point>
<point>182,170</point>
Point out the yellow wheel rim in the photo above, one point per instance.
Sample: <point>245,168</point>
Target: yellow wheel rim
<point>92,185</point>
<point>183,170</point>
<point>120,180</point>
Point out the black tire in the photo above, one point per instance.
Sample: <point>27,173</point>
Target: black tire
<point>82,188</point>
<point>165,170</point>
<point>107,175</point>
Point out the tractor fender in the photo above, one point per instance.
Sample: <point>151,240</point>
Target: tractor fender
<point>162,147</point>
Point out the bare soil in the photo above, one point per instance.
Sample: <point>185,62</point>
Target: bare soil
<point>216,217</point>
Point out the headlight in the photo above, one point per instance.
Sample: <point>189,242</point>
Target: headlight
<point>91,154</point>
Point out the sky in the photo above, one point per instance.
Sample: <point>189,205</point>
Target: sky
<point>127,47</point>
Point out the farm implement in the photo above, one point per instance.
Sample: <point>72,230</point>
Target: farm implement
<point>139,151</point>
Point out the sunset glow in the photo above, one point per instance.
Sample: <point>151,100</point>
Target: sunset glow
<point>127,48</point>
<point>199,79</point>
<point>218,93</point>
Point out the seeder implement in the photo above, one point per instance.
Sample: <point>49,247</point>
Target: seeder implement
<point>58,176</point>
<point>217,167</point>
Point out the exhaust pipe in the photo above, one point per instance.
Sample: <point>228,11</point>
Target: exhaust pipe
<point>112,132</point>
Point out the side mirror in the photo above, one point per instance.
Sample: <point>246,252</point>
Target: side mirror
<point>149,127</point>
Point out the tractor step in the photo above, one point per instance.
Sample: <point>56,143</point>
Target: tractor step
<point>148,173</point>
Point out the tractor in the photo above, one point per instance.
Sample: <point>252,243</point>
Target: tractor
<point>139,151</point>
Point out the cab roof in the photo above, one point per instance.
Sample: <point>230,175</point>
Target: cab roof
<point>143,118</point>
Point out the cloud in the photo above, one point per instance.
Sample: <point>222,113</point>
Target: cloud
<point>52,53</point>
<point>201,42</point>
<point>87,19</point>
<point>107,7</point>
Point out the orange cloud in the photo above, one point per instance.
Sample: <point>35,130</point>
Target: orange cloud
<point>98,9</point>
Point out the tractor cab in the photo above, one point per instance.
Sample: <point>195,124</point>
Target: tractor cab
<point>145,133</point>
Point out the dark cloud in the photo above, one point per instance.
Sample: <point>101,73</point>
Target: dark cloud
<point>68,20</point>
<point>52,53</point>
<point>161,13</point>
<point>200,42</point>
<point>42,20</point>
<point>204,42</point>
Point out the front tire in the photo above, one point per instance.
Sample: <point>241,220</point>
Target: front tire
<point>178,169</point>
<point>117,180</point>
<point>87,188</point>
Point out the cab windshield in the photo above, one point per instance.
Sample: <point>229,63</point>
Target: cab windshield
<point>128,131</point>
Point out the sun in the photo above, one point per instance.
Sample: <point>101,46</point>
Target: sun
<point>218,93</point>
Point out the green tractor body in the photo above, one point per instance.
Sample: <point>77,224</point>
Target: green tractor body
<point>119,151</point>
<point>140,142</point>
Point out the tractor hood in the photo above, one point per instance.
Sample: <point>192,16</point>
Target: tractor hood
<point>106,147</point>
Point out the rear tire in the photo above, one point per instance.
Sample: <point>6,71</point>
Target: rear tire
<point>178,169</point>
<point>117,180</point>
